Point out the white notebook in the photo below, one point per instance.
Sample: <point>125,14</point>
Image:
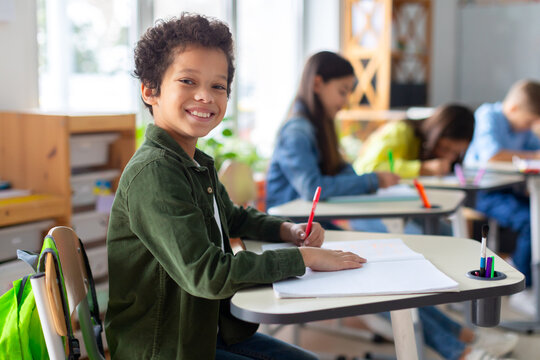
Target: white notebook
<point>392,268</point>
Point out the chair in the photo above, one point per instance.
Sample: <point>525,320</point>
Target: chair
<point>238,179</point>
<point>64,284</point>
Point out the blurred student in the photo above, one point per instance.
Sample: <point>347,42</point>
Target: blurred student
<point>307,152</point>
<point>171,268</point>
<point>503,130</point>
<point>419,147</point>
<point>307,155</point>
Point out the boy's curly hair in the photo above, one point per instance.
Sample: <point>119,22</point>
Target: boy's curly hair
<point>155,50</point>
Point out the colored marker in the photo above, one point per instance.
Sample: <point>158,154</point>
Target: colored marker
<point>312,214</point>
<point>492,266</point>
<point>391,160</point>
<point>479,176</point>
<point>422,193</point>
<point>489,267</point>
<point>485,230</point>
<point>459,174</point>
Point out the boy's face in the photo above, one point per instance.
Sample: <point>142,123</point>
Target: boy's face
<point>193,96</point>
<point>521,119</point>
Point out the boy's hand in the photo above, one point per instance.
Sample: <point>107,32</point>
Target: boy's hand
<point>296,234</point>
<point>387,179</point>
<point>436,167</point>
<point>330,260</point>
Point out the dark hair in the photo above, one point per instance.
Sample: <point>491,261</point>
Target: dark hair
<point>452,121</point>
<point>329,66</point>
<point>155,50</point>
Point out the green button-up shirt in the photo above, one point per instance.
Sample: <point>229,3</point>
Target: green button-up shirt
<point>169,279</point>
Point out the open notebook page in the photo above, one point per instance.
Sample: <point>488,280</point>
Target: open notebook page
<point>392,268</point>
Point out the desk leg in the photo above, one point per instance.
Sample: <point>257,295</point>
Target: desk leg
<point>459,226</point>
<point>533,185</point>
<point>404,339</point>
<point>431,225</point>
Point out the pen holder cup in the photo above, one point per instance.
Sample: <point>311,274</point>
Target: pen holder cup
<point>486,312</point>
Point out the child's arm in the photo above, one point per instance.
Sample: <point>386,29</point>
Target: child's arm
<point>507,155</point>
<point>179,236</point>
<point>296,155</point>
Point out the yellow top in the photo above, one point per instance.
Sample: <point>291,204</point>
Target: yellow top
<point>398,137</point>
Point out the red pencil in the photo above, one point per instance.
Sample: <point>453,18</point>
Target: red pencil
<point>422,193</point>
<point>315,201</point>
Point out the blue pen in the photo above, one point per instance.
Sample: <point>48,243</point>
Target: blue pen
<point>485,230</point>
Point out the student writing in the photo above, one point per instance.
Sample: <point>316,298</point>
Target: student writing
<point>171,269</point>
<point>503,130</point>
<point>420,147</point>
<point>307,152</point>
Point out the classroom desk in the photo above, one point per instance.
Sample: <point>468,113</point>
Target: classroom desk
<point>489,182</point>
<point>455,258</point>
<point>447,203</point>
<point>533,187</point>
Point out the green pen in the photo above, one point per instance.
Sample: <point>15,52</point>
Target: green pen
<point>492,266</point>
<point>391,160</point>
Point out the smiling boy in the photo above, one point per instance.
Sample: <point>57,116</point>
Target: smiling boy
<point>171,268</point>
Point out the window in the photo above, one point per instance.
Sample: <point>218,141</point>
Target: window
<point>269,65</point>
<point>85,55</point>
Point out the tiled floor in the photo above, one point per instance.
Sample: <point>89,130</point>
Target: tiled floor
<point>329,346</point>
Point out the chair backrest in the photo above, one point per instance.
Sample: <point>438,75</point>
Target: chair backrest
<point>238,179</point>
<point>77,281</point>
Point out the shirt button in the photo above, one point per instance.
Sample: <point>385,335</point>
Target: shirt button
<point>210,190</point>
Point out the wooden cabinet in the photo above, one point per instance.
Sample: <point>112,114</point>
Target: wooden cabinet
<point>35,155</point>
<point>389,44</point>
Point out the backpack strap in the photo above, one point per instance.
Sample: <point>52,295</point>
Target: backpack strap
<point>94,309</point>
<point>21,289</point>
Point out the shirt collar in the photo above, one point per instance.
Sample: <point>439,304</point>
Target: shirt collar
<point>160,137</point>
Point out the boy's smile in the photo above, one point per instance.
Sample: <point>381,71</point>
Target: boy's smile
<point>193,96</point>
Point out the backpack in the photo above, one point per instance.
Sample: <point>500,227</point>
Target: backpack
<point>21,334</point>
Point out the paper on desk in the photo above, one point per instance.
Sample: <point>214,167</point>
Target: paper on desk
<point>392,268</point>
<point>525,165</point>
<point>400,192</point>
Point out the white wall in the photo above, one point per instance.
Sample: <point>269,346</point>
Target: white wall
<point>442,87</point>
<point>19,60</point>
<point>322,27</point>
<point>499,44</point>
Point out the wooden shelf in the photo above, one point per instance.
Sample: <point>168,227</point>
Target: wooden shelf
<point>36,207</point>
<point>35,154</point>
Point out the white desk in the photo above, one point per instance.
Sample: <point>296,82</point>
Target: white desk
<point>455,258</point>
<point>446,202</point>
<point>489,182</point>
<point>533,186</point>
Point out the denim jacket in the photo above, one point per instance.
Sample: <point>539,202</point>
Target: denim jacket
<point>169,279</point>
<point>294,170</point>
